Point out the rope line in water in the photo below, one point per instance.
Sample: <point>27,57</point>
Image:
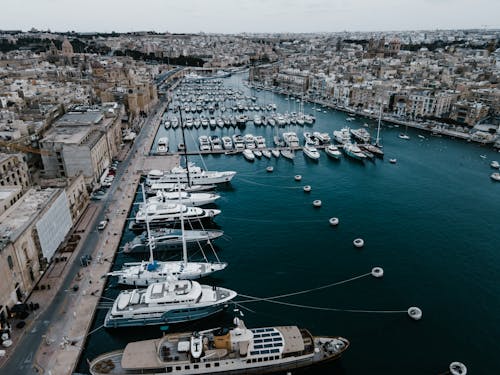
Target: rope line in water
<point>338,310</point>
<point>274,221</point>
<point>273,186</point>
<point>255,299</point>
<point>94,330</point>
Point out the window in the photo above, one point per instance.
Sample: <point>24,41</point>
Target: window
<point>207,365</point>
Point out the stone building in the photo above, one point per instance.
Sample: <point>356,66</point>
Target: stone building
<point>468,113</point>
<point>83,141</point>
<point>14,170</point>
<point>30,233</point>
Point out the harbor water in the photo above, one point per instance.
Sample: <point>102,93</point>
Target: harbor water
<point>430,221</point>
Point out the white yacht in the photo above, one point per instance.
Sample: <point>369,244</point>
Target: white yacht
<point>162,145</point>
<point>171,301</point>
<point>169,214</point>
<point>291,139</point>
<point>168,239</point>
<point>234,351</point>
<point>343,135</point>
<point>404,136</point>
<point>287,153</point>
<point>323,138</point>
<point>249,141</point>
<point>257,120</point>
<point>197,176</point>
<point>309,139</point>
<point>310,151</point>
<point>204,143</point>
<point>275,153</point>
<point>333,151</point>
<point>257,153</point>
<point>248,154</point>
<point>183,197</point>
<point>168,186</point>
<point>227,143</point>
<point>215,143</point>
<point>495,164</point>
<point>354,151</point>
<point>361,135</point>
<point>239,142</point>
<point>267,154</point>
<point>260,141</point>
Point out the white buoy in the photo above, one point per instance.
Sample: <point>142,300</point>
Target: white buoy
<point>307,188</point>
<point>358,242</point>
<point>415,313</point>
<point>377,272</point>
<point>317,203</point>
<point>298,177</point>
<point>458,368</point>
<point>334,221</point>
<point>270,168</point>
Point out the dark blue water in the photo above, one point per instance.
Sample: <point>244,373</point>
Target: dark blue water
<point>431,221</point>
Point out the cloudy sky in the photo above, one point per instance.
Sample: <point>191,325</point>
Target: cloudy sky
<point>233,16</point>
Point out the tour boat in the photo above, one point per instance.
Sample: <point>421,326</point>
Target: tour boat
<point>238,350</point>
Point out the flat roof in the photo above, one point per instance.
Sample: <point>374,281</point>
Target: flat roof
<point>66,135</point>
<point>14,221</point>
<point>80,118</point>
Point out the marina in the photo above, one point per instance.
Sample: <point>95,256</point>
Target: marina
<point>276,232</point>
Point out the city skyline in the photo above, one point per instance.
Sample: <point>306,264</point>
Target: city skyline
<point>258,16</point>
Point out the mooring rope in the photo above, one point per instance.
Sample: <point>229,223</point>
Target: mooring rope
<point>267,185</point>
<point>256,299</point>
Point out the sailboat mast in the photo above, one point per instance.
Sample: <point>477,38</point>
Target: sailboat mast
<point>185,148</point>
<point>150,242</point>
<point>184,247</point>
<point>378,127</point>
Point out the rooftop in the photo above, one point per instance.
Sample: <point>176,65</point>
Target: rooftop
<point>15,220</point>
<point>80,118</point>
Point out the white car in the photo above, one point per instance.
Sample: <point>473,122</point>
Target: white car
<point>102,225</point>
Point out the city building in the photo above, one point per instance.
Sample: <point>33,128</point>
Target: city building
<point>30,233</point>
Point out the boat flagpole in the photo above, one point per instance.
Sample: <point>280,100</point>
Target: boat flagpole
<point>185,148</point>
<point>150,242</point>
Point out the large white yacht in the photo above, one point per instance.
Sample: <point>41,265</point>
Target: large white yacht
<point>197,176</point>
<point>343,135</point>
<point>183,197</point>
<point>354,151</point>
<point>361,135</point>
<point>171,301</point>
<point>165,239</point>
<point>223,351</point>
<point>169,214</point>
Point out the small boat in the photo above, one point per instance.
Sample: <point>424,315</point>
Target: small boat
<point>248,154</point>
<point>162,146</point>
<point>257,153</point>
<point>266,153</point>
<point>275,153</point>
<point>421,136</point>
<point>495,176</point>
<point>227,143</point>
<point>404,136</point>
<point>287,153</point>
<point>392,161</point>
<point>495,164</point>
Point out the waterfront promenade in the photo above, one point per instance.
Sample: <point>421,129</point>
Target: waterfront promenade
<point>52,340</point>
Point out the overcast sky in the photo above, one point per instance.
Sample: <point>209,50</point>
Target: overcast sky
<point>234,16</point>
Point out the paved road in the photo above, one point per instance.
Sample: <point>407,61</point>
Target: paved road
<point>21,361</point>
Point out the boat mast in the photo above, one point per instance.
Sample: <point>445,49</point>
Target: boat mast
<point>185,148</point>
<point>378,127</point>
<point>150,242</point>
<point>184,247</point>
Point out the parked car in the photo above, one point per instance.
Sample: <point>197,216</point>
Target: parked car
<point>102,225</point>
